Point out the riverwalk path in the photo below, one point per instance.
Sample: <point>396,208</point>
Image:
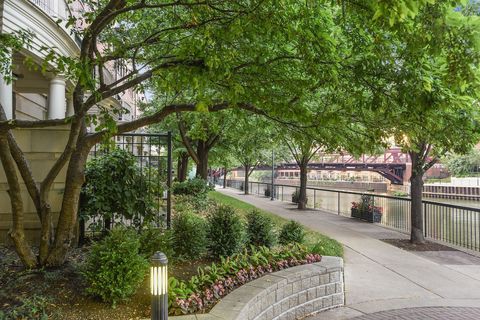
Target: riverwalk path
<point>383,281</point>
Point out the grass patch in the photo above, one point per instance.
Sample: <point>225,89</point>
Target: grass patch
<point>325,245</point>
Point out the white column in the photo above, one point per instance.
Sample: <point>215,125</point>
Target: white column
<point>56,98</point>
<point>70,109</point>
<point>6,95</point>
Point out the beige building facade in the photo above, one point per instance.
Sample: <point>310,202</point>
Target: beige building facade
<point>34,94</point>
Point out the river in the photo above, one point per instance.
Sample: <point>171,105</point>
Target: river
<point>459,226</point>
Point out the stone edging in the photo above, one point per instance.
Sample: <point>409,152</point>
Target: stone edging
<point>287,294</point>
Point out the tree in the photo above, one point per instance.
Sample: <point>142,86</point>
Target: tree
<point>222,157</point>
<point>463,165</point>
<point>303,148</point>
<point>421,79</point>
<point>252,145</point>
<point>178,149</point>
<point>200,132</point>
<point>253,57</point>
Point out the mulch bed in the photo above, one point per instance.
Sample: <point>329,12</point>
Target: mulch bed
<point>64,289</point>
<point>405,244</point>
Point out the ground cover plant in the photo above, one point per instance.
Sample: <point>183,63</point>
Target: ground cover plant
<point>217,280</point>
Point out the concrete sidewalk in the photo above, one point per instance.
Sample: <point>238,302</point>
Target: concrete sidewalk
<point>380,277</point>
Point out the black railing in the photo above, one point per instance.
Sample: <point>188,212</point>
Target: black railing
<point>457,225</point>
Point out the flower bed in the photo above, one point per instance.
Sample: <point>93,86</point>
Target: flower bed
<point>202,291</point>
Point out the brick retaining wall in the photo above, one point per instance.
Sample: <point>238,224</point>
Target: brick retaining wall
<point>284,295</point>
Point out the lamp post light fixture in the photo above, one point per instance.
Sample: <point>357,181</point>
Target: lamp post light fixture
<point>159,286</point>
<point>272,194</point>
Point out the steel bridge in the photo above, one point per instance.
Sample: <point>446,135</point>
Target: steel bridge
<point>392,164</point>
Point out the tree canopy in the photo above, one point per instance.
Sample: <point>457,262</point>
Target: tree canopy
<point>407,68</point>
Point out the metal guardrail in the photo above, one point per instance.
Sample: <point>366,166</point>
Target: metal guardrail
<point>452,224</point>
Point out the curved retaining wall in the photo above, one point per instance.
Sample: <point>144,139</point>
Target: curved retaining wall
<point>288,294</point>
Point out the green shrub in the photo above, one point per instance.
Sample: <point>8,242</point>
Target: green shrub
<point>189,235</point>
<point>226,231</point>
<point>260,229</point>
<point>199,205</point>
<point>292,232</point>
<point>192,187</point>
<point>129,197</point>
<point>194,191</point>
<point>155,239</point>
<point>114,269</point>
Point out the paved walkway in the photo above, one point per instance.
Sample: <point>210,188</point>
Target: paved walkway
<point>383,281</point>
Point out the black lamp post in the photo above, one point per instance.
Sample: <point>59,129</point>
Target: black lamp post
<point>159,286</point>
<point>272,194</point>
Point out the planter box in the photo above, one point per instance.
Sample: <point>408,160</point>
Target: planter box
<point>370,216</point>
<point>375,217</point>
<point>267,192</point>
<point>356,213</point>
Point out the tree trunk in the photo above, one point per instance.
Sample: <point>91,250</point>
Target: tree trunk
<point>225,178</point>
<point>75,178</point>
<point>182,166</point>
<point>202,165</point>
<point>416,189</point>
<point>302,197</point>
<point>17,233</point>
<point>247,176</point>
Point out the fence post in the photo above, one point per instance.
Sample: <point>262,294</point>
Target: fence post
<point>338,204</point>
<point>314,197</point>
<point>424,212</point>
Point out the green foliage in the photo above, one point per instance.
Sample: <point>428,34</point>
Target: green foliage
<point>463,165</point>
<point>327,247</point>
<point>156,239</point>
<point>292,232</point>
<point>226,232</point>
<point>34,307</point>
<point>116,187</point>
<point>12,42</point>
<point>114,269</point>
<point>195,192</point>
<point>193,187</point>
<point>189,235</point>
<point>311,237</point>
<point>423,78</point>
<point>213,282</point>
<point>400,194</point>
<point>260,230</point>
<point>251,143</point>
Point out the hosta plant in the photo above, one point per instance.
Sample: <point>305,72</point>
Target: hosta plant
<point>214,282</point>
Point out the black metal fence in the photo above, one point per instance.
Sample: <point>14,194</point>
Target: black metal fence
<point>453,224</point>
<point>153,154</point>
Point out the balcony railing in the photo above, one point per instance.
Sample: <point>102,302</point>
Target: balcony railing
<point>45,5</point>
